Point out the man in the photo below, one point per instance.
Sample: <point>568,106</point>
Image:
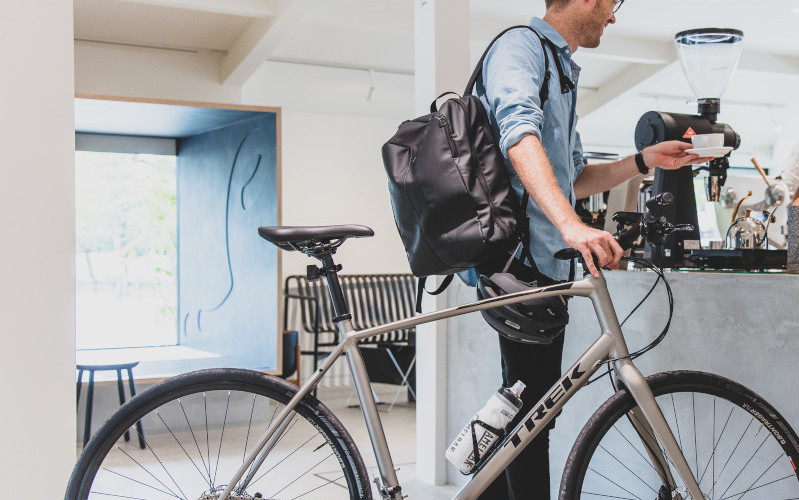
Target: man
<point>544,157</point>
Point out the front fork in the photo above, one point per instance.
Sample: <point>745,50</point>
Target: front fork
<point>649,423</point>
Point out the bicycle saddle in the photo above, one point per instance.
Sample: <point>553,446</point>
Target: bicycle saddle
<point>302,237</point>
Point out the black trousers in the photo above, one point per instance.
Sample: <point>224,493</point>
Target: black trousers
<point>538,366</point>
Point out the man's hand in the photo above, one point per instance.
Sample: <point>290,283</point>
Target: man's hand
<point>588,240</point>
<point>671,155</point>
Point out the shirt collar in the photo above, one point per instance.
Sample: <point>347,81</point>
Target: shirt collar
<point>551,33</point>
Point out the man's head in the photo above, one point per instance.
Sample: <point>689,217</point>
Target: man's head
<point>586,19</point>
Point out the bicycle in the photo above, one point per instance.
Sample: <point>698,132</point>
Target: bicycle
<point>645,442</point>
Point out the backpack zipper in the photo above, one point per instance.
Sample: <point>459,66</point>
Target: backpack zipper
<point>442,121</point>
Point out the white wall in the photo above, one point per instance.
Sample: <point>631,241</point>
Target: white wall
<point>37,291</point>
<point>333,174</point>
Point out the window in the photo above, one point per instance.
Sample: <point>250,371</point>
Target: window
<point>126,251</point>
<point>170,269</point>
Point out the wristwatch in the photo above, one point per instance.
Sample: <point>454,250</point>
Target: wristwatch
<point>639,162</point>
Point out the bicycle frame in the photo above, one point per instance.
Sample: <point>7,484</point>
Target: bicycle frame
<point>610,345</point>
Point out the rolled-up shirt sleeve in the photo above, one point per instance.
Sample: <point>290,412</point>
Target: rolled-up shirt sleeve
<point>514,96</point>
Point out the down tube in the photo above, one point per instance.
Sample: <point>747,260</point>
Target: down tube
<point>538,418</point>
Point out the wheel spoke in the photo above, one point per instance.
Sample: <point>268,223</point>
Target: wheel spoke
<point>614,483</point>
<point>313,451</point>
<point>147,443</point>
<point>115,495</point>
<point>253,469</point>
<point>676,421</point>
<point>712,457</point>
<point>249,426</point>
<point>206,467</point>
<point>625,466</point>
<point>604,496</point>
<point>333,481</point>
<point>170,493</point>
<point>207,437</point>
<point>284,458</point>
<point>753,487</point>
<point>222,436</point>
<point>645,459</point>
<point>731,454</point>
<point>301,475</point>
<point>744,466</point>
<point>738,452</point>
<point>182,448</point>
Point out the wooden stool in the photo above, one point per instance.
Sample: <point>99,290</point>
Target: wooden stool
<point>90,395</point>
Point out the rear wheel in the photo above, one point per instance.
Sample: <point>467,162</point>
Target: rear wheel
<point>200,426</point>
<point>736,444</point>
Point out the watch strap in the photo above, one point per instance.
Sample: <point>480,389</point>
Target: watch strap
<point>639,162</point>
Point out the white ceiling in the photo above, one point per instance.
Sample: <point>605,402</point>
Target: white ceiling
<point>326,46</point>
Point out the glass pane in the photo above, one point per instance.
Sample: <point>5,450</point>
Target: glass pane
<point>126,252</point>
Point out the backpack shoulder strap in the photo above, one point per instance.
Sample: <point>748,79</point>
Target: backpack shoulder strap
<point>566,84</point>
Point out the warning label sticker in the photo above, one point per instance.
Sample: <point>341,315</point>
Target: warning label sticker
<point>689,133</point>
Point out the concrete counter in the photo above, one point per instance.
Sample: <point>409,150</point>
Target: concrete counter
<point>742,326</point>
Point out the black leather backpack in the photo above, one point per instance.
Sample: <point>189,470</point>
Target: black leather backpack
<point>453,203</point>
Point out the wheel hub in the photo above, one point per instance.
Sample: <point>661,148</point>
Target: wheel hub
<point>217,492</point>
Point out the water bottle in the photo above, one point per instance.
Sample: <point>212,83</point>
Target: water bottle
<point>487,425</point>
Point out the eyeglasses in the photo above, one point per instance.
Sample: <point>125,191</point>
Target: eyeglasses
<point>617,5</point>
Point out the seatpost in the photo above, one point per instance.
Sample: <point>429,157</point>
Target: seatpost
<point>330,271</point>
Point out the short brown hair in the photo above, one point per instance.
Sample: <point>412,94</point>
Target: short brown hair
<point>556,3</point>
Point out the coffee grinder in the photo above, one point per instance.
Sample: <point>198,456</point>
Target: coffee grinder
<point>708,57</point>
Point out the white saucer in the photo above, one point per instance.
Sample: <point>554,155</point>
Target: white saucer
<point>707,152</point>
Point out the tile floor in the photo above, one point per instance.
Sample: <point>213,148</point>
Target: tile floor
<point>400,427</point>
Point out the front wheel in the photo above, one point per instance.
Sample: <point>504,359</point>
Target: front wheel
<point>198,429</point>
<point>736,444</point>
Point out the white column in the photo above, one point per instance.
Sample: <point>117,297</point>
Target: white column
<point>37,249</point>
<point>441,64</point>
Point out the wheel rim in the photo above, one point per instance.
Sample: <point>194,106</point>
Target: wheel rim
<point>734,450</point>
<point>196,439</point>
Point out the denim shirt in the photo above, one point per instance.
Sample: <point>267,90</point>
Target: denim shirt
<point>513,72</point>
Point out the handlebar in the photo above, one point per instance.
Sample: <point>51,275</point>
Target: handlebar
<point>651,224</point>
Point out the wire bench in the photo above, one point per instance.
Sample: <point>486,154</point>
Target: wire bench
<point>374,299</point>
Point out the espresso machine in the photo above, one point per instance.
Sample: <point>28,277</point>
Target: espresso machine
<point>708,58</point>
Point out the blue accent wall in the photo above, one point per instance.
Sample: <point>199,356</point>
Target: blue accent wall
<point>228,275</point>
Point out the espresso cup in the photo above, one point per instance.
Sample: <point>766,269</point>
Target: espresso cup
<point>703,141</point>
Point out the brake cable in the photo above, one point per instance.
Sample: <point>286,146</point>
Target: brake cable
<point>660,276</point>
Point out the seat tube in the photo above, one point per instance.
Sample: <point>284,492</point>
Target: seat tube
<point>374,426</point>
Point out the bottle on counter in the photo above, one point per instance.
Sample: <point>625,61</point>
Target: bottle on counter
<point>484,428</point>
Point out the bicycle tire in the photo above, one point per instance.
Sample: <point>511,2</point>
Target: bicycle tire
<point>177,454</point>
<point>608,459</point>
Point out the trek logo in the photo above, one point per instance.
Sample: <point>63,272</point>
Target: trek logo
<point>552,398</point>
